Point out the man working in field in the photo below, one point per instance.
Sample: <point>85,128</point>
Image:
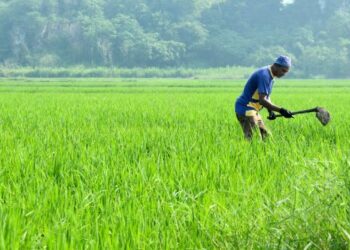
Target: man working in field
<point>256,95</point>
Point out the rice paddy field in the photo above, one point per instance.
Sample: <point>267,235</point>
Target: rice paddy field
<point>162,164</point>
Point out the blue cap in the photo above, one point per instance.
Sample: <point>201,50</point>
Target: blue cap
<point>284,61</point>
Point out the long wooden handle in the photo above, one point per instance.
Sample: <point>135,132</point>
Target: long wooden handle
<point>302,111</point>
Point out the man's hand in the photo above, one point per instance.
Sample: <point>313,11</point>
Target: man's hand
<point>286,113</point>
<point>272,115</point>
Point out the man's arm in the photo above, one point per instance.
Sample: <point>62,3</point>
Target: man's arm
<point>263,100</point>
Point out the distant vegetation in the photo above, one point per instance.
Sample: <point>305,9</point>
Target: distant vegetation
<point>175,34</point>
<point>211,73</point>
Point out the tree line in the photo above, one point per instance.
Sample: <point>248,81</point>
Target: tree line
<point>177,33</point>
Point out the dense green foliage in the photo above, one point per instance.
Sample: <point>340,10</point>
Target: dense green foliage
<point>103,72</point>
<point>177,33</point>
<point>162,164</point>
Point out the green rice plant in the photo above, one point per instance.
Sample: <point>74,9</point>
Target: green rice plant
<point>162,164</point>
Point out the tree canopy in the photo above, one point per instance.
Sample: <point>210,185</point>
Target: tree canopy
<point>173,33</point>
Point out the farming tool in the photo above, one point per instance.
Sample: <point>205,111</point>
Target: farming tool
<point>321,114</point>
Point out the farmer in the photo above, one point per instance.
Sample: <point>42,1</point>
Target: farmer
<point>256,95</point>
